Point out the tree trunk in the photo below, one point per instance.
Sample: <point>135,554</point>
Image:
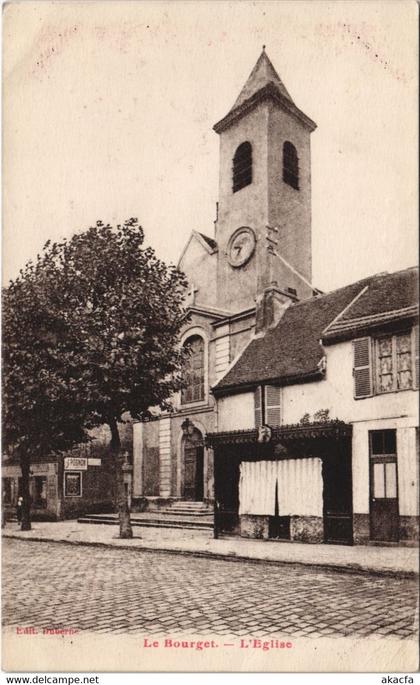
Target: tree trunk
<point>60,488</point>
<point>25,466</point>
<point>126,530</point>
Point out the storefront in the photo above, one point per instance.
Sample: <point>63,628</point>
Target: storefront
<point>65,488</point>
<point>43,489</point>
<point>286,483</point>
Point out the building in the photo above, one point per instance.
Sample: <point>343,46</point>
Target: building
<point>66,486</point>
<point>299,418</point>
<point>264,181</point>
<point>317,435</point>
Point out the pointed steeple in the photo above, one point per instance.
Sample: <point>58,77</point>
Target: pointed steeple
<point>263,84</point>
<point>262,74</point>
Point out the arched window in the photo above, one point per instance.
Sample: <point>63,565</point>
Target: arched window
<point>193,371</point>
<point>242,166</point>
<point>290,165</point>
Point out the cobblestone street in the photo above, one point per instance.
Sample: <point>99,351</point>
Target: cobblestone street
<point>47,585</point>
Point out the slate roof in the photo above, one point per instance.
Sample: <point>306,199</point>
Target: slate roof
<point>292,351</point>
<point>262,73</point>
<point>263,83</point>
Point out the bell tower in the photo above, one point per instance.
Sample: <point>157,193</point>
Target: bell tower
<point>264,181</point>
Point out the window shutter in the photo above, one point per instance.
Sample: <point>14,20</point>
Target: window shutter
<point>272,405</point>
<point>362,370</point>
<point>258,407</point>
<point>416,355</point>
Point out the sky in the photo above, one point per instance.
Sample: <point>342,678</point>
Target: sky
<point>108,109</point>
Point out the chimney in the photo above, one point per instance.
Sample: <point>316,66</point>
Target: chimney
<point>270,307</point>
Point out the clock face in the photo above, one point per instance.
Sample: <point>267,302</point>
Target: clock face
<point>241,246</point>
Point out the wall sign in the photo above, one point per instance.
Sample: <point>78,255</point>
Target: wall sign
<point>72,484</point>
<point>42,469</point>
<point>75,463</point>
<point>94,461</point>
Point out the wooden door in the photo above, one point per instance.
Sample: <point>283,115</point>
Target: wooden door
<point>337,495</point>
<point>226,488</point>
<point>384,515</point>
<point>193,468</point>
<point>189,471</point>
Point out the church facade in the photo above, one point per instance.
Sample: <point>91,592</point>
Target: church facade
<point>299,418</point>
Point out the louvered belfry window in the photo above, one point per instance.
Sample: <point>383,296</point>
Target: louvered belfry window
<point>193,371</point>
<point>242,167</point>
<point>290,165</point>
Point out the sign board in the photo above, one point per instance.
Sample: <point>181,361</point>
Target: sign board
<point>40,468</point>
<point>73,484</point>
<point>93,461</point>
<point>75,463</point>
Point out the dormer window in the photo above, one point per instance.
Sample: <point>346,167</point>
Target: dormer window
<point>290,165</point>
<point>242,167</point>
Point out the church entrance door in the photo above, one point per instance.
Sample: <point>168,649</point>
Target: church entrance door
<point>193,467</point>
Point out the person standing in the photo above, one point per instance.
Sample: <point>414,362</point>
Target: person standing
<point>19,509</point>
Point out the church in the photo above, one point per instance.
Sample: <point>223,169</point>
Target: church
<point>299,415</point>
<point>264,182</point>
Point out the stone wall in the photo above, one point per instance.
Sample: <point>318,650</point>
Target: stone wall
<point>252,526</point>
<point>361,529</point>
<point>306,529</point>
<point>302,528</point>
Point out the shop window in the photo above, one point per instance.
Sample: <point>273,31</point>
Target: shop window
<point>72,484</point>
<point>7,490</point>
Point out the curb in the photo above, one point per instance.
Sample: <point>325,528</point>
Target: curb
<point>350,568</point>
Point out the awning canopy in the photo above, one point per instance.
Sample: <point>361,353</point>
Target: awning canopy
<point>333,430</point>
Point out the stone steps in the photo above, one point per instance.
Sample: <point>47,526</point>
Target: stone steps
<point>149,520</point>
<point>185,507</point>
<point>184,512</point>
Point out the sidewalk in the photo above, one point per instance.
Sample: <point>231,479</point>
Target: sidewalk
<point>372,559</point>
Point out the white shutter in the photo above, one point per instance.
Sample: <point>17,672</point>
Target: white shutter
<point>416,355</point>
<point>258,407</point>
<point>362,367</point>
<point>272,405</point>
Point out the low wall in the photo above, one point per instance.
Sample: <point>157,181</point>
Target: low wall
<point>302,528</point>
